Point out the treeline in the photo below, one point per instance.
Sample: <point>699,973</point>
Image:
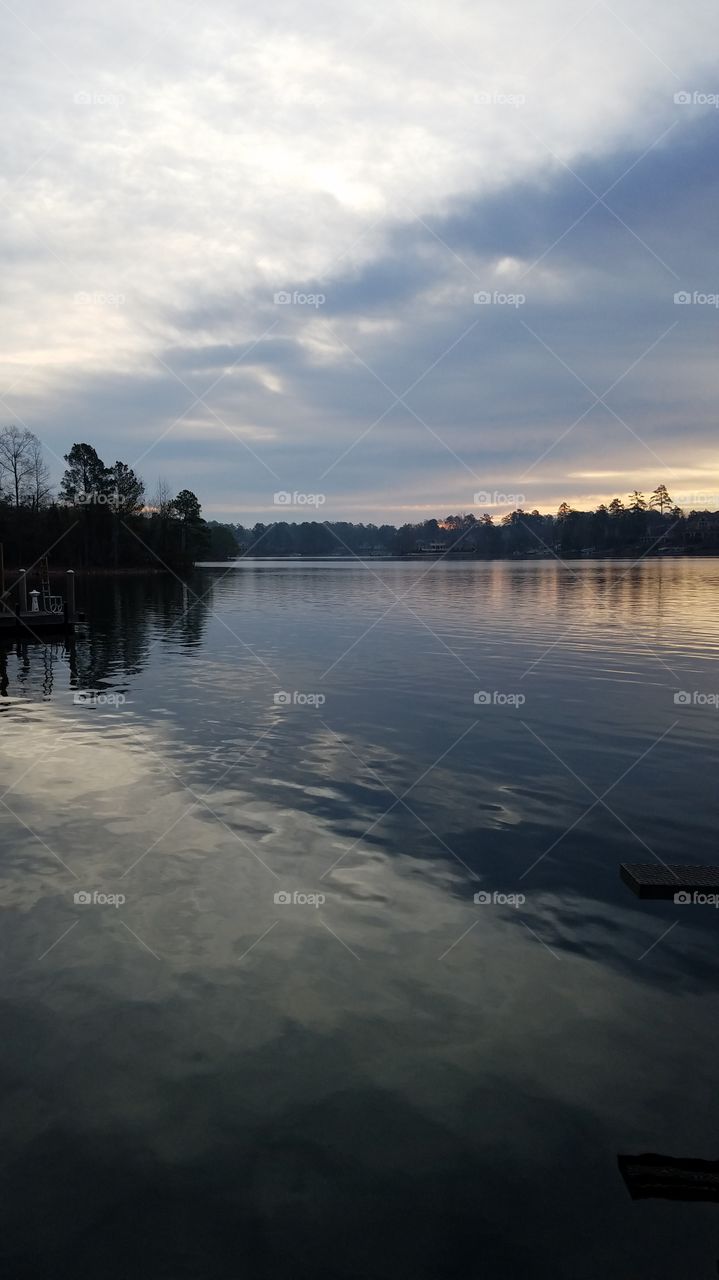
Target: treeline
<point>101,516</point>
<point>637,526</point>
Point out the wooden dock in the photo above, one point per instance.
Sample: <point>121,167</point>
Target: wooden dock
<point>29,623</point>
<point>653,880</point>
<point>25,613</point>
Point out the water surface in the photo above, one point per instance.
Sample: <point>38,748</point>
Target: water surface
<point>395,1081</point>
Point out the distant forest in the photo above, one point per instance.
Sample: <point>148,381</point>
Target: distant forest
<point>635,527</point>
<point>102,517</point>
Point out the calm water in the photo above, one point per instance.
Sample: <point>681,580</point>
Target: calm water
<point>395,1081</point>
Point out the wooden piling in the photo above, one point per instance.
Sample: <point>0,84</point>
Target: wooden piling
<point>70,594</point>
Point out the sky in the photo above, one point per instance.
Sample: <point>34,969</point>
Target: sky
<point>387,262</point>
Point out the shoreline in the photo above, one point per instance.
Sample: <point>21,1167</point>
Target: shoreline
<point>414,556</point>
<point>464,557</point>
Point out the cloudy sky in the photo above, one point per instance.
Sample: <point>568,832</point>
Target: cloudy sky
<point>173,173</point>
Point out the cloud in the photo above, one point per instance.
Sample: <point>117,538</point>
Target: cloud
<point>165,182</point>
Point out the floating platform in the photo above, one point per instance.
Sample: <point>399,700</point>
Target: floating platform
<point>668,1178</point>
<point>652,880</point>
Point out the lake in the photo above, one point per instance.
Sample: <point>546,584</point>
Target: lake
<point>255,1024</point>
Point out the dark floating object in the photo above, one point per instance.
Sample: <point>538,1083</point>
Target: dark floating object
<point>669,1178</point>
<point>652,880</point>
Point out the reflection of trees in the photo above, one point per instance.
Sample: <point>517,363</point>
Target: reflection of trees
<point>128,617</point>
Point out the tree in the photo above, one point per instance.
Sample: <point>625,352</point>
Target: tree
<point>222,543</point>
<point>87,481</point>
<point>126,498</point>
<point>17,461</point>
<point>128,492</point>
<point>660,499</point>
<point>616,507</point>
<point>162,499</point>
<point>637,501</point>
<point>187,509</point>
<point>39,486</point>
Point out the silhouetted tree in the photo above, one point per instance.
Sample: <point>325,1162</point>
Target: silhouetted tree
<point>87,480</point>
<point>17,462</point>
<point>637,501</point>
<point>187,509</point>
<point>660,499</point>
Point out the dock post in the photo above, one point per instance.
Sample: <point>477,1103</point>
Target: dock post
<point>70,598</point>
<point>22,589</point>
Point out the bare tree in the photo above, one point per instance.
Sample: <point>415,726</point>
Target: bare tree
<point>16,461</point>
<point>40,486</point>
<point>162,499</point>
